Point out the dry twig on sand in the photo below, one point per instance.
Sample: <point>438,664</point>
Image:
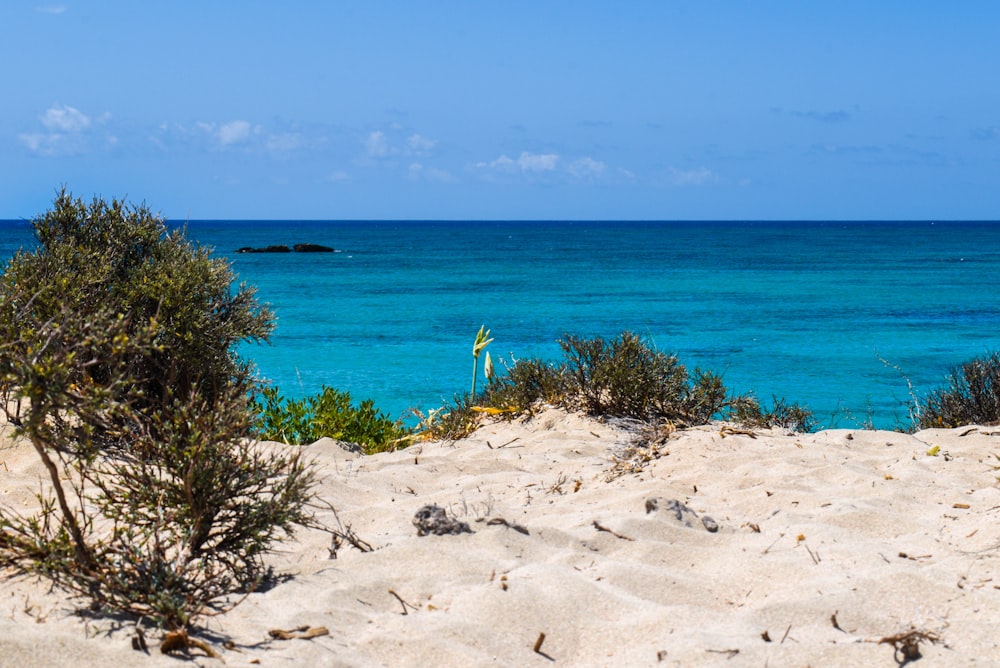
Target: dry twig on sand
<point>510,525</point>
<point>906,645</point>
<point>727,430</point>
<point>404,603</point>
<point>180,640</point>
<point>600,527</point>
<point>301,632</point>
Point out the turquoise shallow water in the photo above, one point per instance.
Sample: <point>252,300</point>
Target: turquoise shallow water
<point>795,309</point>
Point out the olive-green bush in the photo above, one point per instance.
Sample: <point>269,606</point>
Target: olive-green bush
<point>971,395</point>
<point>526,384</point>
<point>747,411</point>
<point>117,363</point>
<point>621,377</point>
<point>626,377</point>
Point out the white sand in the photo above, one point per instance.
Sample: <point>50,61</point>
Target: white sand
<point>859,527</point>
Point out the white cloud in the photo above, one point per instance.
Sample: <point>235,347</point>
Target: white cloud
<point>376,145</point>
<point>53,143</point>
<point>55,9</point>
<point>338,176</point>
<point>501,164</point>
<point>224,134</point>
<point>526,162</point>
<point>390,144</point>
<point>420,144</point>
<point>691,177</point>
<point>419,172</point>
<point>537,162</point>
<point>62,118</point>
<point>234,132</point>
<point>280,142</point>
<point>586,167</point>
<point>35,142</point>
<point>66,131</point>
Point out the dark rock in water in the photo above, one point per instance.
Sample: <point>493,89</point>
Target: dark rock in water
<point>311,248</point>
<point>434,520</point>
<point>265,249</point>
<point>298,248</point>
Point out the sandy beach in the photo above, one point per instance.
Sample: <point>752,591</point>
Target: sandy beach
<point>585,547</point>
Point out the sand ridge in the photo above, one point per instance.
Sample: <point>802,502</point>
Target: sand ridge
<point>826,544</point>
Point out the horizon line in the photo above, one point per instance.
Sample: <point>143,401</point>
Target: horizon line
<point>561,220</point>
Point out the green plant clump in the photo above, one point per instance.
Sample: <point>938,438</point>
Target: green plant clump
<point>328,414</point>
<point>626,377</point>
<point>526,384</point>
<point>117,365</point>
<point>747,411</point>
<point>451,423</point>
<point>971,395</point>
<point>623,377</point>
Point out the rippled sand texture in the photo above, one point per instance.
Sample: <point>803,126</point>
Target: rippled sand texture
<point>826,544</point>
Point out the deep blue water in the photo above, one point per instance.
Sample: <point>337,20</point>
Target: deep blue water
<point>801,310</point>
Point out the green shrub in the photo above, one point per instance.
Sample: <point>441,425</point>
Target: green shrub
<point>747,411</point>
<point>453,422</point>
<point>625,377</point>
<point>328,414</point>
<point>971,396</point>
<point>125,259</point>
<point>117,364</point>
<point>526,384</point>
<point>705,397</point>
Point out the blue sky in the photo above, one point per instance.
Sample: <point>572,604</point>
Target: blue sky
<point>504,110</point>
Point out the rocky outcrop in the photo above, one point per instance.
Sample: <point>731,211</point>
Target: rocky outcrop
<point>311,248</point>
<point>265,249</point>
<point>298,248</point>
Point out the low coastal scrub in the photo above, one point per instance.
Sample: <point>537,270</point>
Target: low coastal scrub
<point>327,414</point>
<point>971,395</point>
<point>528,383</point>
<point>626,377</point>
<point>450,423</point>
<point>117,364</point>
<point>623,377</point>
<point>746,411</point>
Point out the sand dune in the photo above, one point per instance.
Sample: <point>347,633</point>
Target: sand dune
<point>826,544</point>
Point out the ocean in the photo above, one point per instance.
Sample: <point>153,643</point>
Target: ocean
<point>838,316</point>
